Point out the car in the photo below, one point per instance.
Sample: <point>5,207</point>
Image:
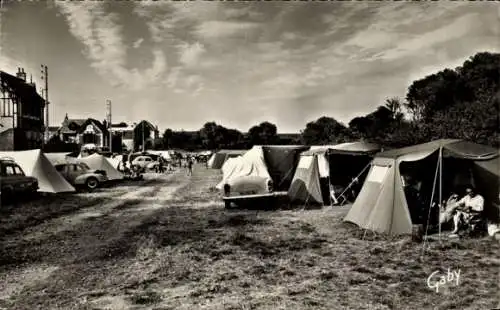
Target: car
<point>143,162</point>
<point>80,175</point>
<point>248,185</point>
<point>13,180</point>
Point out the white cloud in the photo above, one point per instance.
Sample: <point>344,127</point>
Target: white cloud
<point>101,35</point>
<point>138,43</point>
<point>217,29</point>
<point>191,53</point>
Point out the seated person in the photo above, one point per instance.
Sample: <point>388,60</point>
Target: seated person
<point>468,208</point>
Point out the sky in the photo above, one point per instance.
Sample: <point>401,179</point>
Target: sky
<point>181,64</point>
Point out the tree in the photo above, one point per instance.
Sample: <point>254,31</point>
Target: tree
<point>325,130</point>
<point>263,134</point>
<point>209,135</point>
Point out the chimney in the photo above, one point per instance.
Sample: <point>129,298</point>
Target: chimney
<point>21,74</point>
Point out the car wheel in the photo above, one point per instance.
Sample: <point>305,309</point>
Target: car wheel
<point>92,183</point>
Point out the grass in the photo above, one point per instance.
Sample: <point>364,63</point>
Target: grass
<point>194,254</point>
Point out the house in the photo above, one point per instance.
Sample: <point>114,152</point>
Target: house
<point>94,132</point>
<point>124,133</point>
<point>151,133</point>
<point>69,129</point>
<point>21,113</point>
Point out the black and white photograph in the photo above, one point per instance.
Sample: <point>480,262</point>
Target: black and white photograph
<point>237,155</point>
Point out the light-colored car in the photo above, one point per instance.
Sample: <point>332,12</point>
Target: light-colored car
<point>80,175</point>
<point>248,185</point>
<point>143,161</point>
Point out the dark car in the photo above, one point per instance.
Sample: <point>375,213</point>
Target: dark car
<point>13,180</point>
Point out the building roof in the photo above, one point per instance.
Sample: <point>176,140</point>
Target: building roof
<point>22,89</point>
<point>95,122</point>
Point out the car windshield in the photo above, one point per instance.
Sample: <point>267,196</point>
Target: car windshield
<point>83,166</point>
<point>18,170</point>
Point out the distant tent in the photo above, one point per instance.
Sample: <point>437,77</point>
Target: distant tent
<point>382,204</point>
<point>219,158</point>
<point>36,164</point>
<point>100,162</point>
<point>249,164</point>
<point>329,164</point>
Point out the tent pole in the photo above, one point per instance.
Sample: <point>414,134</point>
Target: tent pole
<point>440,188</point>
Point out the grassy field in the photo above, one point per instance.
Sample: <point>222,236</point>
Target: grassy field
<point>168,243</point>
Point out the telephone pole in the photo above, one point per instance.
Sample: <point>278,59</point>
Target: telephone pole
<point>45,77</point>
<point>108,106</point>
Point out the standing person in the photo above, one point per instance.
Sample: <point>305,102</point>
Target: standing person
<point>190,166</point>
<point>160,165</point>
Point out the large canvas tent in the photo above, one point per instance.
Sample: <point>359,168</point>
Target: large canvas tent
<point>249,164</point>
<point>36,164</point>
<point>329,164</point>
<point>218,159</point>
<point>382,204</point>
<point>100,162</point>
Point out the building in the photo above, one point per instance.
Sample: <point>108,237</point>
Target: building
<point>84,131</point>
<point>21,113</point>
<point>124,133</point>
<point>151,133</point>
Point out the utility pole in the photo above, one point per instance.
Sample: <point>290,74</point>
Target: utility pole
<point>143,147</point>
<point>45,77</point>
<point>108,106</point>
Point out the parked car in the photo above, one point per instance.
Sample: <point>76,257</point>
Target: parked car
<point>143,162</point>
<point>13,180</point>
<point>80,175</point>
<point>248,185</point>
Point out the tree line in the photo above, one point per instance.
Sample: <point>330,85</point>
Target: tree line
<point>461,103</point>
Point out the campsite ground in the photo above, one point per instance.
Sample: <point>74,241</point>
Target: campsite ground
<point>168,243</point>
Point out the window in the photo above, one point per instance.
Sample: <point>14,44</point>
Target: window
<point>60,168</point>
<point>83,166</point>
<point>18,170</point>
<point>147,159</point>
<point>9,170</point>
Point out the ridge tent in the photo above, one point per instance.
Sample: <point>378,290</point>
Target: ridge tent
<point>383,205</point>
<point>35,164</point>
<point>100,162</point>
<point>249,164</point>
<point>219,158</point>
<point>323,165</point>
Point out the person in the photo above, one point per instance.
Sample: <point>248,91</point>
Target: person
<point>160,165</point>
<point>190,166</point>
<point>469,207</point>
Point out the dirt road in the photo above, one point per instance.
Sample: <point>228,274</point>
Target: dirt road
<point>72,243</point>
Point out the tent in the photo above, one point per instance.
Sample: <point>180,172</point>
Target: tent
<point>329,164</point>
<point>100,162</point>
<point>281,162</point>
<point>115,161</point>
<point>382,203</point>
<point>219,158</point>
<point>36,164</point>
<point>249,164</point>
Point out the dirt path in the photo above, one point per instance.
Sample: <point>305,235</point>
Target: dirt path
<point>63,246</point>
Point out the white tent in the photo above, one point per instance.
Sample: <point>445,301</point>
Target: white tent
<point>115,161</point>
<point>36,164</point>
<point>100,162</point>
<point>251,163</point>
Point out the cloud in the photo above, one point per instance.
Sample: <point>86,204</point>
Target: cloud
<point>218,29</point>
<point>190,53</point>
<point>101,35</point>
<point>138,43</point>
